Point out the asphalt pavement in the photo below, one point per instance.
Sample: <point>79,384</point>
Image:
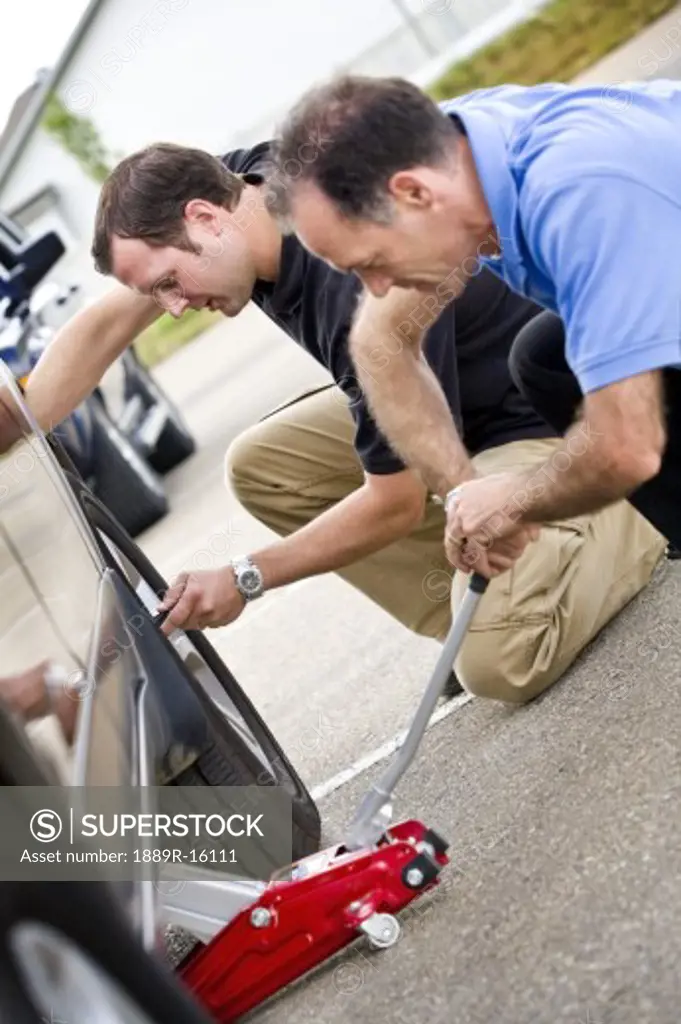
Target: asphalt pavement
<point>562,903</point>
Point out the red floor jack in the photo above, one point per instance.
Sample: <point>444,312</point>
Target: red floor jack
<point>286,927</point>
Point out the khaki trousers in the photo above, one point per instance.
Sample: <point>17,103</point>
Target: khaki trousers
<point>533,620</point>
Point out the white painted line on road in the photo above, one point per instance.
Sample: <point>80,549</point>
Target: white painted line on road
<point>363,764</point>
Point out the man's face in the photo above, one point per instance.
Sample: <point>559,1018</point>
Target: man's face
<point>220,276</point>
<point>423,244</point>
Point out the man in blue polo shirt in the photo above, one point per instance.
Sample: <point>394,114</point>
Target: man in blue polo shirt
<point>573,196</point>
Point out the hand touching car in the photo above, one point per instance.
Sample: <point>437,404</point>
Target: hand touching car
<point>201,600</point>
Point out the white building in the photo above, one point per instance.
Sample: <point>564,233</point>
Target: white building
<point>214,74</point>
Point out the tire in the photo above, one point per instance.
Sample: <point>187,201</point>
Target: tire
<point>75,922</point>
<point>175,443</point>
<point>241,767</point>
<point>123,480</point>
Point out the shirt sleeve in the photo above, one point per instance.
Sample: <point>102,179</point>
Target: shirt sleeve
<point>243,161</point>
<point>610,246</point>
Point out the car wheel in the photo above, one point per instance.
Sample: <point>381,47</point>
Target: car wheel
<point>175,442</point>
<point>123,480</point>
<point>67,951</point>
<point>256,758</point>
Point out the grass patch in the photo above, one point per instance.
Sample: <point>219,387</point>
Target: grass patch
<point>563,39</point>
<point>166,335</point>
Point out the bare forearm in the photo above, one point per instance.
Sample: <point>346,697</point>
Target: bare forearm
<point>81,352</point>
<point>603,459</point>
<point>405,397</point>
<point>356,527</point>
<point>410,408</point>
<point>581,477</point>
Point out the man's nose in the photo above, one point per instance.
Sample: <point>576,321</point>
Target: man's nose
<point>378,284</point>
<point>177,306</point>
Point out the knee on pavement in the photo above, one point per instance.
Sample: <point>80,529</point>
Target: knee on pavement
<point>512,664</point>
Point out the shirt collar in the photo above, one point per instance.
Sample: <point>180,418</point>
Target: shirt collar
<point>490,148</point>
<point>282,290</point>
<point>283,294</point>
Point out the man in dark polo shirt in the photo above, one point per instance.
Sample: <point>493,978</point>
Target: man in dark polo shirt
<point>178,227</point>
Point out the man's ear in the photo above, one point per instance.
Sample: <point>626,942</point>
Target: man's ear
<point>412,188</point>
<point>203,213</point>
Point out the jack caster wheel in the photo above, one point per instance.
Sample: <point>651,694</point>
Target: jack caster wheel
<point>382,930</point>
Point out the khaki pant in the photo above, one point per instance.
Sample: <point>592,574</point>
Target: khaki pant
<point>533,620</point>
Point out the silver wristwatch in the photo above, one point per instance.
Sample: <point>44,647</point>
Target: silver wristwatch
<point>248,578</point>
<point>451,497</point>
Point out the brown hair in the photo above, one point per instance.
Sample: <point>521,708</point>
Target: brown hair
<point>350,135</point>
<point>146,193</point>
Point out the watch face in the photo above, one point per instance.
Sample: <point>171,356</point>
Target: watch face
<point>250,580</point>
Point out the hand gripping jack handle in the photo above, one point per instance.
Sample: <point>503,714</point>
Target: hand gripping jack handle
<point>321,903</point>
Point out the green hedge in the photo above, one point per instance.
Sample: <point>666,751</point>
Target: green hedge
<point>167,334</point>
<point>563,39</point>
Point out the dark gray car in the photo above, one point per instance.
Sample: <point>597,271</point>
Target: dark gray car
<point>143,710</point>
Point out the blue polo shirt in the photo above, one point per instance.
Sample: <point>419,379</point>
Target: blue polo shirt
<point>584,186</point>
